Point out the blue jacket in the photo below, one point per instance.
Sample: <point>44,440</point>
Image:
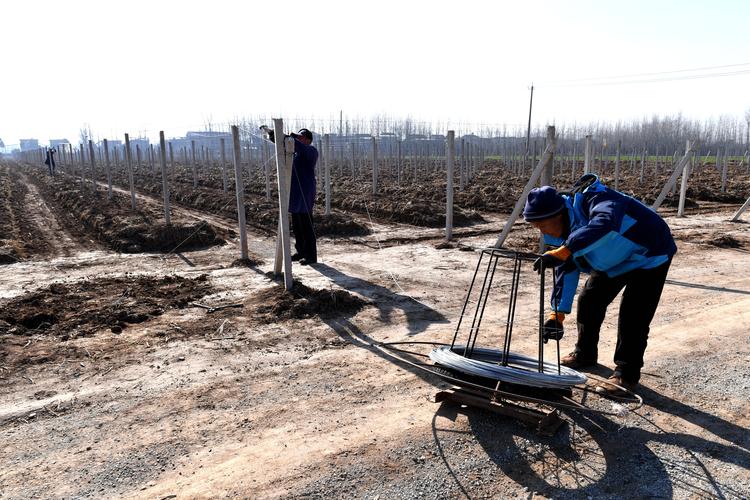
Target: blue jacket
<point>302,190</point>
<point>609,232</point>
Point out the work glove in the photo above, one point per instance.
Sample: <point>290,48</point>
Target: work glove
<point>553,327</point>
<point>552,258</point>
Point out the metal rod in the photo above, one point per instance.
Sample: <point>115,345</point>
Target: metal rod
<point>466,302</point>
<point>486,297</point>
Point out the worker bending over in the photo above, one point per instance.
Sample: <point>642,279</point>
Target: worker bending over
<point>621,244</point>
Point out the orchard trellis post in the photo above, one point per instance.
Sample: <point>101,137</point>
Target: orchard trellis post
<point>223,164</point>
<point>450,154</point>
<point>673,178</point>
<point>545,178</point>
<point>164,184</point>
<point>192,163</point>
<point>284,149</point>
<point>327,167</point>
<point>535,174</point>
<point>587,152</point>
<point>683,186</point>
<point>129,164</point>
<point>617,164</point>
<point>238,187</point>
<point>374,158</point>
<point>109,172</point>
<point>92,160</point>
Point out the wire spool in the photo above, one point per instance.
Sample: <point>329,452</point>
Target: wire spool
<point>520,369</point>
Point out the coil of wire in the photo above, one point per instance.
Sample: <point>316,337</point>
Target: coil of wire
<point>520,369</point>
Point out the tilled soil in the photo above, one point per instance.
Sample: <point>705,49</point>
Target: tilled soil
<point>277,304</point>
<point>70,310</point>
<point>116,225</point>
<point>260,213</point>
<point>20,237</point>
<point>287,397</point>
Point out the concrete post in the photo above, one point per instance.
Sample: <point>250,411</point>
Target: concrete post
<point>398,161</point>
<point>545,178</point>
<point>239,188</point>
<point>109,172</point>
<point>673,178</point>
<point>171,159</point>
<point>617,165</point>
<point>450,154</point>
<point>284,149</point>
<point>164,184</point>
<point>683,186</point>
<point>588,149</point>
<point>327,166</point>
<point>643,166</point>
<point>92,160</point>
<point>574,165</point>
<point>223,164</point>
<point>267,170</point>
<point>192,163</point>
<point>535,174</point>
<point>374,159</point>
<point>724,166</point>
<point>129,164</point>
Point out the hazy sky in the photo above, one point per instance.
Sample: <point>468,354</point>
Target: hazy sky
<point>139,66</point>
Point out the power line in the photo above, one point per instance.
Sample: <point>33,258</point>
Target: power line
<point>636,78</point>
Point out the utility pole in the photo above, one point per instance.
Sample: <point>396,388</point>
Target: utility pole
<point>528,128</point>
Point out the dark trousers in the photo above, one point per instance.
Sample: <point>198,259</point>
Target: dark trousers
<point>304,236</point>
<point>640,298</point>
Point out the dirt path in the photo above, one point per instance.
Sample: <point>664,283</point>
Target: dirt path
<point>58,239</point>
<point>198,404</point>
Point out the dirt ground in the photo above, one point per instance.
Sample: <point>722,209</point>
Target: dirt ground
<point>284,395</point>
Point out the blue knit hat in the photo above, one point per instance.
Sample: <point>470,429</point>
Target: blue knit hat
<point>542,203</point>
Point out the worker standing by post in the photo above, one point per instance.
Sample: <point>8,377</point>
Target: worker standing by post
<point>621,244</point>
<point>50,160</point>
<point>302,195</point>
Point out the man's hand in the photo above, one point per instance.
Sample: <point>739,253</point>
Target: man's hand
<point>553,327</point>
<point>553,258</point>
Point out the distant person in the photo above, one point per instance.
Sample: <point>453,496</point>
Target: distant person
<point>302,196</point>
<point>621,244</point>
<point>50,160</point>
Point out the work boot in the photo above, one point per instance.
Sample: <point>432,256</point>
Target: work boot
<point>296,257</point>
<point>610,387</point>
<point>575,361</point>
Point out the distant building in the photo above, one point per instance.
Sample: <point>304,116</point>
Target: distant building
<point>111,143</point>
<point>29,144</point>
<point>56,143</point>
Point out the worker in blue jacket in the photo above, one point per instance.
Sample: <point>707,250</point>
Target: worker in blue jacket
<point>621,244</point>
<point>302,195</point>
